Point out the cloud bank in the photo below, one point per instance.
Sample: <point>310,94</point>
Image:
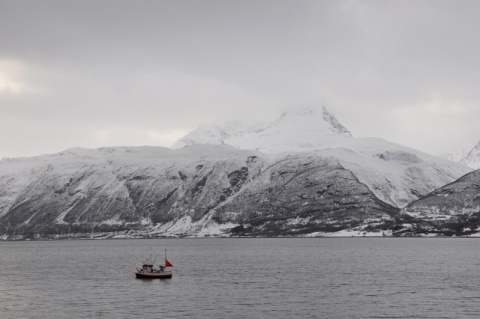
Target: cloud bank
<point>106,73</point>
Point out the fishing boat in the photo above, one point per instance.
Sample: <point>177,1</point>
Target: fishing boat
<point>148,269</point>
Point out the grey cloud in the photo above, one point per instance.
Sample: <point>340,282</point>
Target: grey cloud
<point>165,66</point>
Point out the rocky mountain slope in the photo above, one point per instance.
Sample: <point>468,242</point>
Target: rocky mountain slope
<point>453,209</point>
<point>196,190</point>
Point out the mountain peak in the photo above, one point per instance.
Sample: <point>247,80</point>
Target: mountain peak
<point>330,118</point>
<point>468,158</point>
<point>473,157</point>
<point>300,129</point>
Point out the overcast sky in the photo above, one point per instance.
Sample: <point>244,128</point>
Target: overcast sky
<point>110,73</point>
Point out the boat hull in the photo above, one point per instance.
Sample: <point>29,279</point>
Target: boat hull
<point>153,275</point>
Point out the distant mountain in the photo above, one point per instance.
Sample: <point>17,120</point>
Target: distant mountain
<point>454,156</point>
<point>468,158</point>
<point>472,159</point>
<point>453,209</point>
<point>297,131</point>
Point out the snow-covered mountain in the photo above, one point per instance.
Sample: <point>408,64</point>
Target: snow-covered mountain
<point>310,177</point>
<point>469,158</point>
<point>196,190</point>
<point>472,159</point>
<point>454,156</point>
<point>297,131</point>
<point>396,174</point>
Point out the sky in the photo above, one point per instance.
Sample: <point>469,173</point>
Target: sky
<point>126,73</point>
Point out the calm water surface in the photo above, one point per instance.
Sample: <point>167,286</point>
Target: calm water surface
<point>243,278</point>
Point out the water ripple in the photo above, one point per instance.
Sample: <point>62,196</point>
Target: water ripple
<point>243,278</point>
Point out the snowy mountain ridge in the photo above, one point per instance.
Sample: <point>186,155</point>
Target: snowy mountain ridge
<point>300,130</point>
<point>472,159</point>
<point>469,158</point>
<point>454,156</point>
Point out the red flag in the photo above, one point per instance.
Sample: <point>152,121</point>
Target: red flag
<point>168,264</point>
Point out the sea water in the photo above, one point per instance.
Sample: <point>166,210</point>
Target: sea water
<point>243,278</point>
